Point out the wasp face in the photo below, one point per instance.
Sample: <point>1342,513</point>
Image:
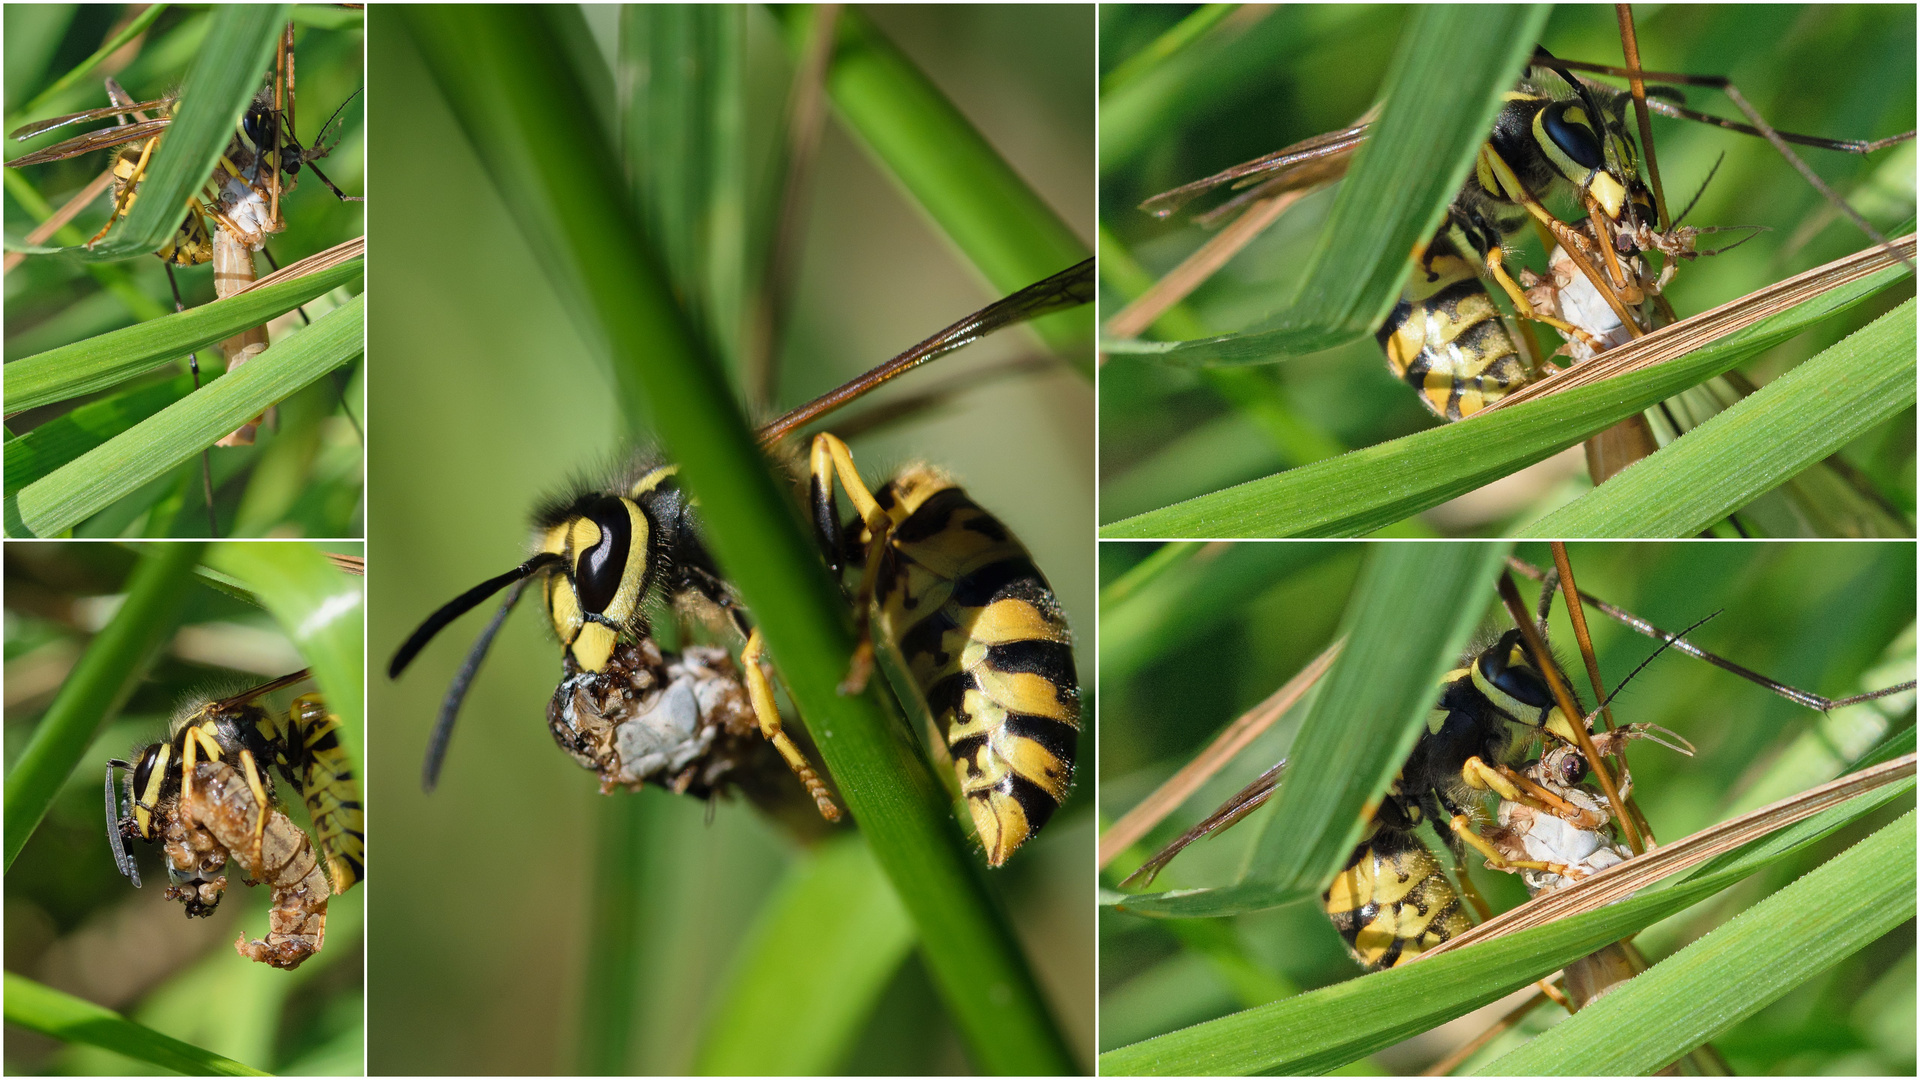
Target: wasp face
<point>597,594</point>
<point>1506,675</point>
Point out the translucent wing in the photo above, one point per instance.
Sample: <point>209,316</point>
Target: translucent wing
<point>95,140</point>
<point>41,127</point>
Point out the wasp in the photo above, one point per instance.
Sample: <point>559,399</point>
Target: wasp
<point>207,794</point>
<point>1391,900</point>
<point>947,586</point>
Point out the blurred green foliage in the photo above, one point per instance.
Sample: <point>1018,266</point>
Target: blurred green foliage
<point>480,950</point>
<point>1263,79</point>
<point>1831,618</point>
<point>302,478</point>
<point>75,924</point>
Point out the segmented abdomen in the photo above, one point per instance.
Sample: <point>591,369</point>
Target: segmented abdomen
<point>1446,339</point>
<point>986,643</point>
<point>326,782</point>
<point>1391,903</point>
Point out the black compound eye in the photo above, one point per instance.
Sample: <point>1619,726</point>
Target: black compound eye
<point>143,771</point>
<point>255,124</point>
<point>598,570</point>
<point>1573,770</point>
<point>1570,130</point>
<point>1522,683</point>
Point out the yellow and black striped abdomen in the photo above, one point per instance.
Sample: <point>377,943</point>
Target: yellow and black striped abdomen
<point>325,777</point>
<point>1391,903</point>
<point>1446,339</point>
<point>986,643</point>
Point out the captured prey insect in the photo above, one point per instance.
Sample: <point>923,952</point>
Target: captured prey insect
<point>1557,136</point>
<point>207,795</point>
<point>958,598</point>
<point>1391,900</point>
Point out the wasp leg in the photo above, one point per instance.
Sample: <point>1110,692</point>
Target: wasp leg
<point>1464,830</point>
<point>250,769</point>
<point>1513,787</point>
<point>829,458</point>
<point>760,692</point>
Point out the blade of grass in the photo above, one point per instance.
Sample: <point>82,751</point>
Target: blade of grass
<point>1412,612</point>
<point>528,118</point>
<point>1367,489</point>
<point>35,1007</point>
<point>323,611</point>
<point>56,442</point>
<point>999,223</point>
<point>94,480</point>
<point>37,108</point>
<point>225,75</point>
<point>810,970</point>
<point>1321,1030</point>
<point>1736,970</point>
<point>115,661</point>
<point>105,360</point>
<point>1792,423</point>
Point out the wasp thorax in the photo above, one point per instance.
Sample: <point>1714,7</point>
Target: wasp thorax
<point>604,544</point>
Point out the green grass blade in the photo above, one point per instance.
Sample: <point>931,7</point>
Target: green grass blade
<point>1318,1031</point>
<point>1732,973</point>
<point>818,957</point>
<point>112,666</point>
<point>35,1007</point>
<point>1185,603</point>
<point>56,442</point>
<point>323,611</point>
<point>34,110</point>
<point>1002,226</point>
<point>224,77</point>
<point>607,1031</point>
<point>1412,613</point>
<point>1370,488</point>
<point>105,360</point>
<point>157,444</point>
<point>1758,444</point>
<point>1174,41</point>
<point>530,121</point>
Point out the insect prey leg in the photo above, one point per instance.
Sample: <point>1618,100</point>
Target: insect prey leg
<point>765,710</point>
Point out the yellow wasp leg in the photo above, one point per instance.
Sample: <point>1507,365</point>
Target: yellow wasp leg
<point>1511,186</point>
<point>1516,788</point>
<point>251,770</point>
<point>760,692</point>
<point>829,450</point>
<point>196,740</point>
<point>1464,830</point>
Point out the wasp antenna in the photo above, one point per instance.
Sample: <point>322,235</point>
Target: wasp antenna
<point>460,605</point>
<point>457,692</point>
<point>121,859</point>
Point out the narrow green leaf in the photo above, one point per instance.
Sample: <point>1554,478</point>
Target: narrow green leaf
<point>76,490</point>
<point>224,76</point>
<point>98,686</point>
<point>1411,614</point>
<point>35,1007</point>
<point>1738,969</point>
<point>36,109</point>
<point>1367,489</point>
<point>323,611</point>
<point>1792,423</point>
<point>1002,226</point>
<point>529,119</point>
<point>824,947</point>
<point>111,358</point>
<point>52,444</point>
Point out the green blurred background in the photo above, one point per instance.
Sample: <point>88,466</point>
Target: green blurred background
<point>73,923</point>
<point>1267,77</point>
<point>491,401</point>
<point>1211,637</point>
<point>303,478</point>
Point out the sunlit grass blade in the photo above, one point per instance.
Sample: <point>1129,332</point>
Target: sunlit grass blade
<point>808,974</point>
<point>1368,489</point>
<point>1764,952</point>
<point>1412,613</point>
<point>113,664</point>
<point>527,115</point>
<point>78,489</point>
<point>224,77</point>
<point>323,611</point>
<point>50,445</point>
<point>1792,423</point>
<point>85,367</point>
<point>997,221</point>
<point>33,110</point>
<point>35,1007</point>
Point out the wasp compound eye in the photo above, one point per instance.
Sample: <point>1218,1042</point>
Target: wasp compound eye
<point>1518,681</point>
<point>599,569</point>
<point>1567,126</point>
<point>143,771</point>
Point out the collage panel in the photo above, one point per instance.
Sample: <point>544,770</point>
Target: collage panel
<point>1326,761</point>
<point>539,916</point>
<point>220,692</point>
<point>120,421</point>
<point>1275,367</point>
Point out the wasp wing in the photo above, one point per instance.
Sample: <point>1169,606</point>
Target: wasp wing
<point>41,127</point>
<point>1281,165</point>
<point>1244,802</point>
<point>95,140</point>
